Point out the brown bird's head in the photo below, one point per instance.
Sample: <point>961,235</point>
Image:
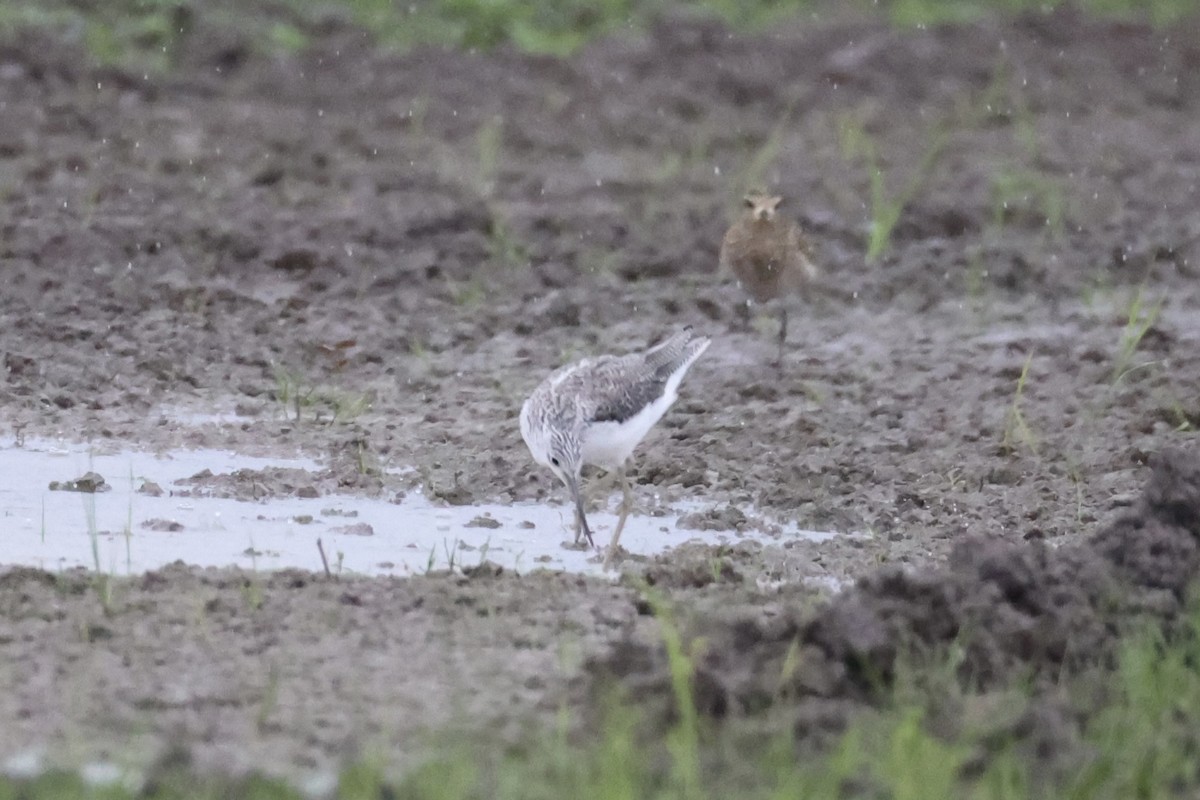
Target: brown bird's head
<point>761,206</point>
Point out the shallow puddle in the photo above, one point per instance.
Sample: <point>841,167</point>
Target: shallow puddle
<point>126,531</point>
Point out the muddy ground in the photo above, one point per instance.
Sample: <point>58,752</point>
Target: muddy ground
<point>410,242</point>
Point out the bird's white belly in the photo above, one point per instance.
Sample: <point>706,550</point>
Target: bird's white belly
<point>609,444</point>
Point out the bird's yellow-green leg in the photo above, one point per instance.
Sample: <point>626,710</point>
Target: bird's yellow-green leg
<point>626,507</point>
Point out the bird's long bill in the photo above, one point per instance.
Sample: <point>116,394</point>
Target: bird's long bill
<point>573,485</point>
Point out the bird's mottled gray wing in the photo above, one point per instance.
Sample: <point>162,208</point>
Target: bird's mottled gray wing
<point>621,387</point>
<point>626,392</point>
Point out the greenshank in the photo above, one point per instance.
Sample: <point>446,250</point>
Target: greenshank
<point>596,412</point>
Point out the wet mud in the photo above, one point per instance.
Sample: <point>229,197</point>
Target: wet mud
<point>370,259</point>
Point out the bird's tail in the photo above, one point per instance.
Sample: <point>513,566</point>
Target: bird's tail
<point>677,350</point>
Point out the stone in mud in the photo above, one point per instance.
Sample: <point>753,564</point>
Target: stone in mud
<point>357,529</point>
<point>726,518</point>
<point>158,524</point>
<point>89,483</point>
<point>297,260</point>
<point>17,365</point>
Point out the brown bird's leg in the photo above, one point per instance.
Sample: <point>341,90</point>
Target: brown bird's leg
<point>782,333</point>
<point>626,506</point>
<point>744,315</point>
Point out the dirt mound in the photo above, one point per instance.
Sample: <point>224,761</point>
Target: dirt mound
<point>1017,610</point>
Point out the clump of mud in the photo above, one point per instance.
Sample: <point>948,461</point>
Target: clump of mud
<point>1016,610</point>
<point>90,483</point>
<point>352,467</point>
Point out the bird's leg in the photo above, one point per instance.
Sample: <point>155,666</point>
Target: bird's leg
<point>744,315</point>
<point>783,315</point>
<point>626,507</point>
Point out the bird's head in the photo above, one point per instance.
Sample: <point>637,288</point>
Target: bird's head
<point>762,206</point>
<point>557,449</point>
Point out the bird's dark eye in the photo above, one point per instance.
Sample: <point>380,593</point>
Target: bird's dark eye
<point>554,461</point>
<point>749,202</point>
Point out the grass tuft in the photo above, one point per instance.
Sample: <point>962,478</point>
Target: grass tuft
<point>101,580</point>
<point>297,395</point>
<point>1139,319</point>
<point>1016,428</point>
<point>885,207</point>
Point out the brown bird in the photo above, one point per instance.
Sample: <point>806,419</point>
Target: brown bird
<point>768,255</point>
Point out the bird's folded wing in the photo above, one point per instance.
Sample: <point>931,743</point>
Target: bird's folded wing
<point>619,389</point>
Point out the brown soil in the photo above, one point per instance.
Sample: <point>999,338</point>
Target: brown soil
<point>249,226</point>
